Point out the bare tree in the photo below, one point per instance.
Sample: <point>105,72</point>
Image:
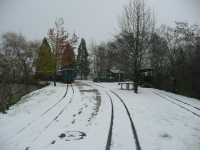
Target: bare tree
<point>16,66</point>
<point>59,38</point>
<point>179,40</point>
<point>20,54</point>
<point>137,24</point>
<point>159,60</point>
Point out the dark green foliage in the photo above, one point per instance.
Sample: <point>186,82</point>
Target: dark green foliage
<point>82,60</point>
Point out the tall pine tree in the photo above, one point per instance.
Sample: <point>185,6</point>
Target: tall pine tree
<point>82,60</point>
<point>45,65</point>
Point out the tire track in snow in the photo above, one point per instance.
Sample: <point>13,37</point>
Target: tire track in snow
<point>134,131</point>
<point>171,101</point>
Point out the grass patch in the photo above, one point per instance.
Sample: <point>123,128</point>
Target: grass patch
<point>14,95</point>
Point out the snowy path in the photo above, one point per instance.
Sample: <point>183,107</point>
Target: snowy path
<point>100,116</point>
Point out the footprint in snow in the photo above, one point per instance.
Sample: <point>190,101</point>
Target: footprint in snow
<point>166,136</point>
<point>72,135</point>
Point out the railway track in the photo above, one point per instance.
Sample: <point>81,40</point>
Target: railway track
<point>178,100</point>
<point>41,116</point>
<point>109,140</point>
<point>171,100</point>
<point>44,113</point>
<point>54,119</point>
<point>136,139</point>
<point>51,107</point>
<point>134,131</point>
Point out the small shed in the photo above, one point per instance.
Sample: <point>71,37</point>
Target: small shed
<point>146,75</point>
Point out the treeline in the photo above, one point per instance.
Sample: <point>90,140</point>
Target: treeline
<point>170,55</point>
<point>17,58</point>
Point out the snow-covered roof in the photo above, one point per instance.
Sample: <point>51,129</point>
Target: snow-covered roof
<point>116,71</point>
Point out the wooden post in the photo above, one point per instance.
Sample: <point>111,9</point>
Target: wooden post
<point>127,86</point>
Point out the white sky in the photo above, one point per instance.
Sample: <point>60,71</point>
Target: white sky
<point>92,19</point>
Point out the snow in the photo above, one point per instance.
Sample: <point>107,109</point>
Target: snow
<point>44,119</point>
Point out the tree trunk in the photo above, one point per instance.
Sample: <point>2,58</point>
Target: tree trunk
<point>54,79</point>
<point>136,78</point>
<point>81,75</point>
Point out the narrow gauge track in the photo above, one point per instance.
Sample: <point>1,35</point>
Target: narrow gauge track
<point>43,114</point>
<point>51,107</point>
<point>134,132</point>
<point>109,140</point>
<point>181,106</point>
<point>176,99</point>
<point>55,118</point>
<point>131,121</point>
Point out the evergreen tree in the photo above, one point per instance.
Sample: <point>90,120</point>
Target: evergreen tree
<point>45,65</point>
<point>82,60</point>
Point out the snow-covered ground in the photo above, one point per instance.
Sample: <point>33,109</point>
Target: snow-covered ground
<point>97,116</point>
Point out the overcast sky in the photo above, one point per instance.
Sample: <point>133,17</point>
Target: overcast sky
<point>92,19</point>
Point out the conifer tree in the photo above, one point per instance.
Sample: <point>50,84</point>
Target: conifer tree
<point>82,60</point>
<point>45,65</point>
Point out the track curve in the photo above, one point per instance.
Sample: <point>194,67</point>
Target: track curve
<point>109,140</point>
<point>181,106</point>
<point>134,131</point>
<point>176,99</point>
<point>137,143</point>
